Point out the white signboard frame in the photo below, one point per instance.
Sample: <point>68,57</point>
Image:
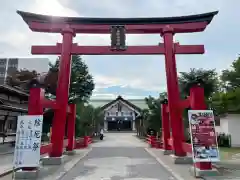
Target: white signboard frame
<point>28,141</point>
<point>206,153</point>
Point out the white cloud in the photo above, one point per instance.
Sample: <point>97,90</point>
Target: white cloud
<point>52,7</point>
<point>137,83</point>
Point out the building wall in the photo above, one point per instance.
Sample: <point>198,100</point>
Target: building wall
<point>223,128</point>
<point>119,109</point>
<point>8,118</point>
<point>3,65</point>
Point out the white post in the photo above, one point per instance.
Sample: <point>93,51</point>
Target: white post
<point>133,125</point>
<point>105,125</point>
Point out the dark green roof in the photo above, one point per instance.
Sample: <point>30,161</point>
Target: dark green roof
<point>101,102</point>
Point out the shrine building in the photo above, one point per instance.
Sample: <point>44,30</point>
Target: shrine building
<point>13,102</point>
<point>120,113</point>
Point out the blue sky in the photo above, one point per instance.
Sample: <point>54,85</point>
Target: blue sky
<point>129,76</point>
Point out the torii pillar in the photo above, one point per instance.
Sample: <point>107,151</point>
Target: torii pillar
<point>173,92</point>
<point>62,92</point>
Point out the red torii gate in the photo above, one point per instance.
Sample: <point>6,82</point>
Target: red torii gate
<point>166,27</point>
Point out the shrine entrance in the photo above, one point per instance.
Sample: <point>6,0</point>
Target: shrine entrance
<point>120,125</point>
<point>118,28</point>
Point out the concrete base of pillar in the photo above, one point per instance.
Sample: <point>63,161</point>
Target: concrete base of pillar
<point>20,174</point>
<point>53,160</point>
<point>196,172</point>
<point>182,160</point>
<point>70,153</point>
<point>167,152</point>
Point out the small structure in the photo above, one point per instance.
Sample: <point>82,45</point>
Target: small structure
<point>120,113</point>
<point>13,102</point>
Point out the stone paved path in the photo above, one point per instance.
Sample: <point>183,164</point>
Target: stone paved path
<point>120,156</point>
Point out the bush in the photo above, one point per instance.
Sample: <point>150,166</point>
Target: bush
<point>224,140</point>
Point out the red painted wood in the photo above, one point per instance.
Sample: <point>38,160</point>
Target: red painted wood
<point>165,127</point>
<point>62,92</point>
<point>130,29</point>
<point>106,50</point>
<point>185,103</point>
<point>35,106</point>
<point>71,128</point>
<point>79,143</point>
<point>187,147</point>
<point>173,94</point>
<point>49,104</point>
<point>46,149</point>
<point>65,143</point>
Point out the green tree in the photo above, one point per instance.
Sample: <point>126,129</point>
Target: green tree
<point>154,113</point>
<point>89,120</point>
<point>163,96</point>
<point>209,80</point>
<point>231,77</point>
<point>81,85</point>
<point>228,97</point>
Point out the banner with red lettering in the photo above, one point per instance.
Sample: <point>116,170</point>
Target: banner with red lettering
<point>203,136</point>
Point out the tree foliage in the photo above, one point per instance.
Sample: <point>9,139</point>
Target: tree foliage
<point>89,119</point>
<point>81,85</point>
<point>227,99</point>
<point>231,77</point>
<point>154,113</point>
<point>209,80</point>
<point>21,78</point>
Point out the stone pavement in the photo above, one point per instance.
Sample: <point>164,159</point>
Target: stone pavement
<point>6,156</point>
<point>120,156</point>
<point>181,171</point>
<point>6,164</point>
<point>228,171</point>
<point>6,149</point>
<point>56,172</point>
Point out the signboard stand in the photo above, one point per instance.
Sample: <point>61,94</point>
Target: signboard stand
<point>27,147</point>
<point>13,174</point>
<point>204,140</point>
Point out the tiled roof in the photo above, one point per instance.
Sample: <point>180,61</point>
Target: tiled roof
<point>13,90</point>
<point>101,102</point>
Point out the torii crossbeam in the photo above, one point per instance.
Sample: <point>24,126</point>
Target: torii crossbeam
<point>106,50</point>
